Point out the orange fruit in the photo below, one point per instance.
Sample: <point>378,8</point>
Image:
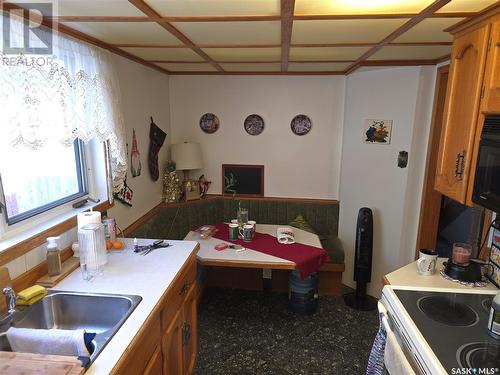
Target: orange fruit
<point>109,245</point>
<point>117,245</point>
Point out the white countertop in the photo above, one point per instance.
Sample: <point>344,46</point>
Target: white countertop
<point>409,278</point>
<point>207,251</point>
<point>130,273</point>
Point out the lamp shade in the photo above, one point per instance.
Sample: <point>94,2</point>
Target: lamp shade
<point>187,156</point>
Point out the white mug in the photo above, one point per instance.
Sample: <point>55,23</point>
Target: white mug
<point>426,263</point>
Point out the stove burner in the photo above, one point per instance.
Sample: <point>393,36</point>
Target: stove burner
<point>479,355</point>
<point>447,311</point>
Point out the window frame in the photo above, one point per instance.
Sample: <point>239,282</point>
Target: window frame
<point>81,171</point>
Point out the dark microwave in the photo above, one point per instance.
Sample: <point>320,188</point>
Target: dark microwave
<point>487,180</point>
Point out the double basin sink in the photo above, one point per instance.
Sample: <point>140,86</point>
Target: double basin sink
<point>98,313</point>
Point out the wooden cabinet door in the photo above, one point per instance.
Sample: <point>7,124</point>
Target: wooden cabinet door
<point>492,74</point>
<point>155,364</point>
<point>190,330</point>
<point>172,346</point>
<point>461,111</point>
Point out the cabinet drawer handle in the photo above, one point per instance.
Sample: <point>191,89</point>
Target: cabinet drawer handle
<point>186,333</point>
<point>184,289</point>
<point>460,165</point>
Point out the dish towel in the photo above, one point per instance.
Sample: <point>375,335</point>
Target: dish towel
<point>48,341</point>
<point>285,235</point>
<point>394,358</point>
<point>376,359</point>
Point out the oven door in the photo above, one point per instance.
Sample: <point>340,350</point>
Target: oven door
<point>487,180</point>
<point>398,356</point>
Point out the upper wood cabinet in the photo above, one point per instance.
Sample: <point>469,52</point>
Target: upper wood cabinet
<point>492,73</point>
<point>473,88</point>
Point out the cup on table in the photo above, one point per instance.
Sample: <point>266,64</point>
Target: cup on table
<point>253,223</point>
<point>246,233</point>
<point>426,263</point>
<point>233,231</point>
<point>461,253</point>
<point>234,221</point>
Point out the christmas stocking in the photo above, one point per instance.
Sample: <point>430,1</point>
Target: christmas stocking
<point>156,137</point>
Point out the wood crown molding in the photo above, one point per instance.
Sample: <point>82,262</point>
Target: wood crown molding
<point>476,18</point>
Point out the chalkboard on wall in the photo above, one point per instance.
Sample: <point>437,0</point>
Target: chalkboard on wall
<point>245,180</point>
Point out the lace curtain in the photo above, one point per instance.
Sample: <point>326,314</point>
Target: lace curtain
<point>72,94</point>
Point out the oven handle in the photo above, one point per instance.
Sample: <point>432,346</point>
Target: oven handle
<point>384,317</point>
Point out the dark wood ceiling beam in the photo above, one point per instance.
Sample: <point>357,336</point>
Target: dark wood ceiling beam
<point>287,8</point>
<point>249,62</point>
<point>307,17</point>
<point>436,5</point>
<point>253,18</point>
<point>150,12</point>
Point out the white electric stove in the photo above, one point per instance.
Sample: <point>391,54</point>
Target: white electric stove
<point>443,331</point>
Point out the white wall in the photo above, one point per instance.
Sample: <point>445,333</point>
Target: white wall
<point>144,93</point>
<point>295,166</point>
<point>370,176</point>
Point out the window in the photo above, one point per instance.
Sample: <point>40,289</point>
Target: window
<point>34,181</point>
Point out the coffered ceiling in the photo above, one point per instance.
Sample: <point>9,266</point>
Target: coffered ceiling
<point>269,36</point>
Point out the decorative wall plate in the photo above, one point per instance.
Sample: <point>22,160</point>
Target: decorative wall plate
<point>254,124</point>
<point>301,124</point>
<point>209,123</point>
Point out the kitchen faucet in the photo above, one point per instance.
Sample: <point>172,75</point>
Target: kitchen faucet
<point>11,295</point>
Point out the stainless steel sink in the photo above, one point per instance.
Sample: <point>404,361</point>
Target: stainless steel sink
<point>95,312</point>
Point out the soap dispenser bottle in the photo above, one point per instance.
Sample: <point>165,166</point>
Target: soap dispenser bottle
<point>53,257</point>
<point>494,320</point>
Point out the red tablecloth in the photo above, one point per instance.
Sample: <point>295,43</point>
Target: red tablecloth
<point>306,258</point>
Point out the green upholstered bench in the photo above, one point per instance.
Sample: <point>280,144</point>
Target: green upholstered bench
<point>174,221</point>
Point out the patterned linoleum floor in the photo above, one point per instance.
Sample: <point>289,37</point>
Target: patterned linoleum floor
<point>242,332</point>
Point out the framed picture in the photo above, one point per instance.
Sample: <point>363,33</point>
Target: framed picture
<point>243,180</point>
<point>377,131</point>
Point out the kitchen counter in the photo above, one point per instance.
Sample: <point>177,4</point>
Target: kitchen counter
<point>408,276</point>
<point>129,273</point>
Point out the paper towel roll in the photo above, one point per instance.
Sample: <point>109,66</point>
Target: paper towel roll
<point>91,217</point>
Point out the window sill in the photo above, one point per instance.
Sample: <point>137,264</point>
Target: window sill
<point>18,245</point>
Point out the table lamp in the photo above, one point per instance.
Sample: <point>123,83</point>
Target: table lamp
<point>187,156</point>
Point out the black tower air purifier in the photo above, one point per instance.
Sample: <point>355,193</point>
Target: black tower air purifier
<point>359,300</point>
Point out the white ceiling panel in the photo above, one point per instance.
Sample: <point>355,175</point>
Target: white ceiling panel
<point>244,54</point>
<point>96,8</point>
<point>360,6</point>
<point>317,67</point>
<point>264,67</point>
<point>411,53</point>
<point>430,30</point>
<point>466,5</point>
<point>216,7</point>
<point>343,31</point>
<point>148,33</point>
<point>167,54</point>
<point>214,33</point>
<point>326,53</point>
<point>196,67</point>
